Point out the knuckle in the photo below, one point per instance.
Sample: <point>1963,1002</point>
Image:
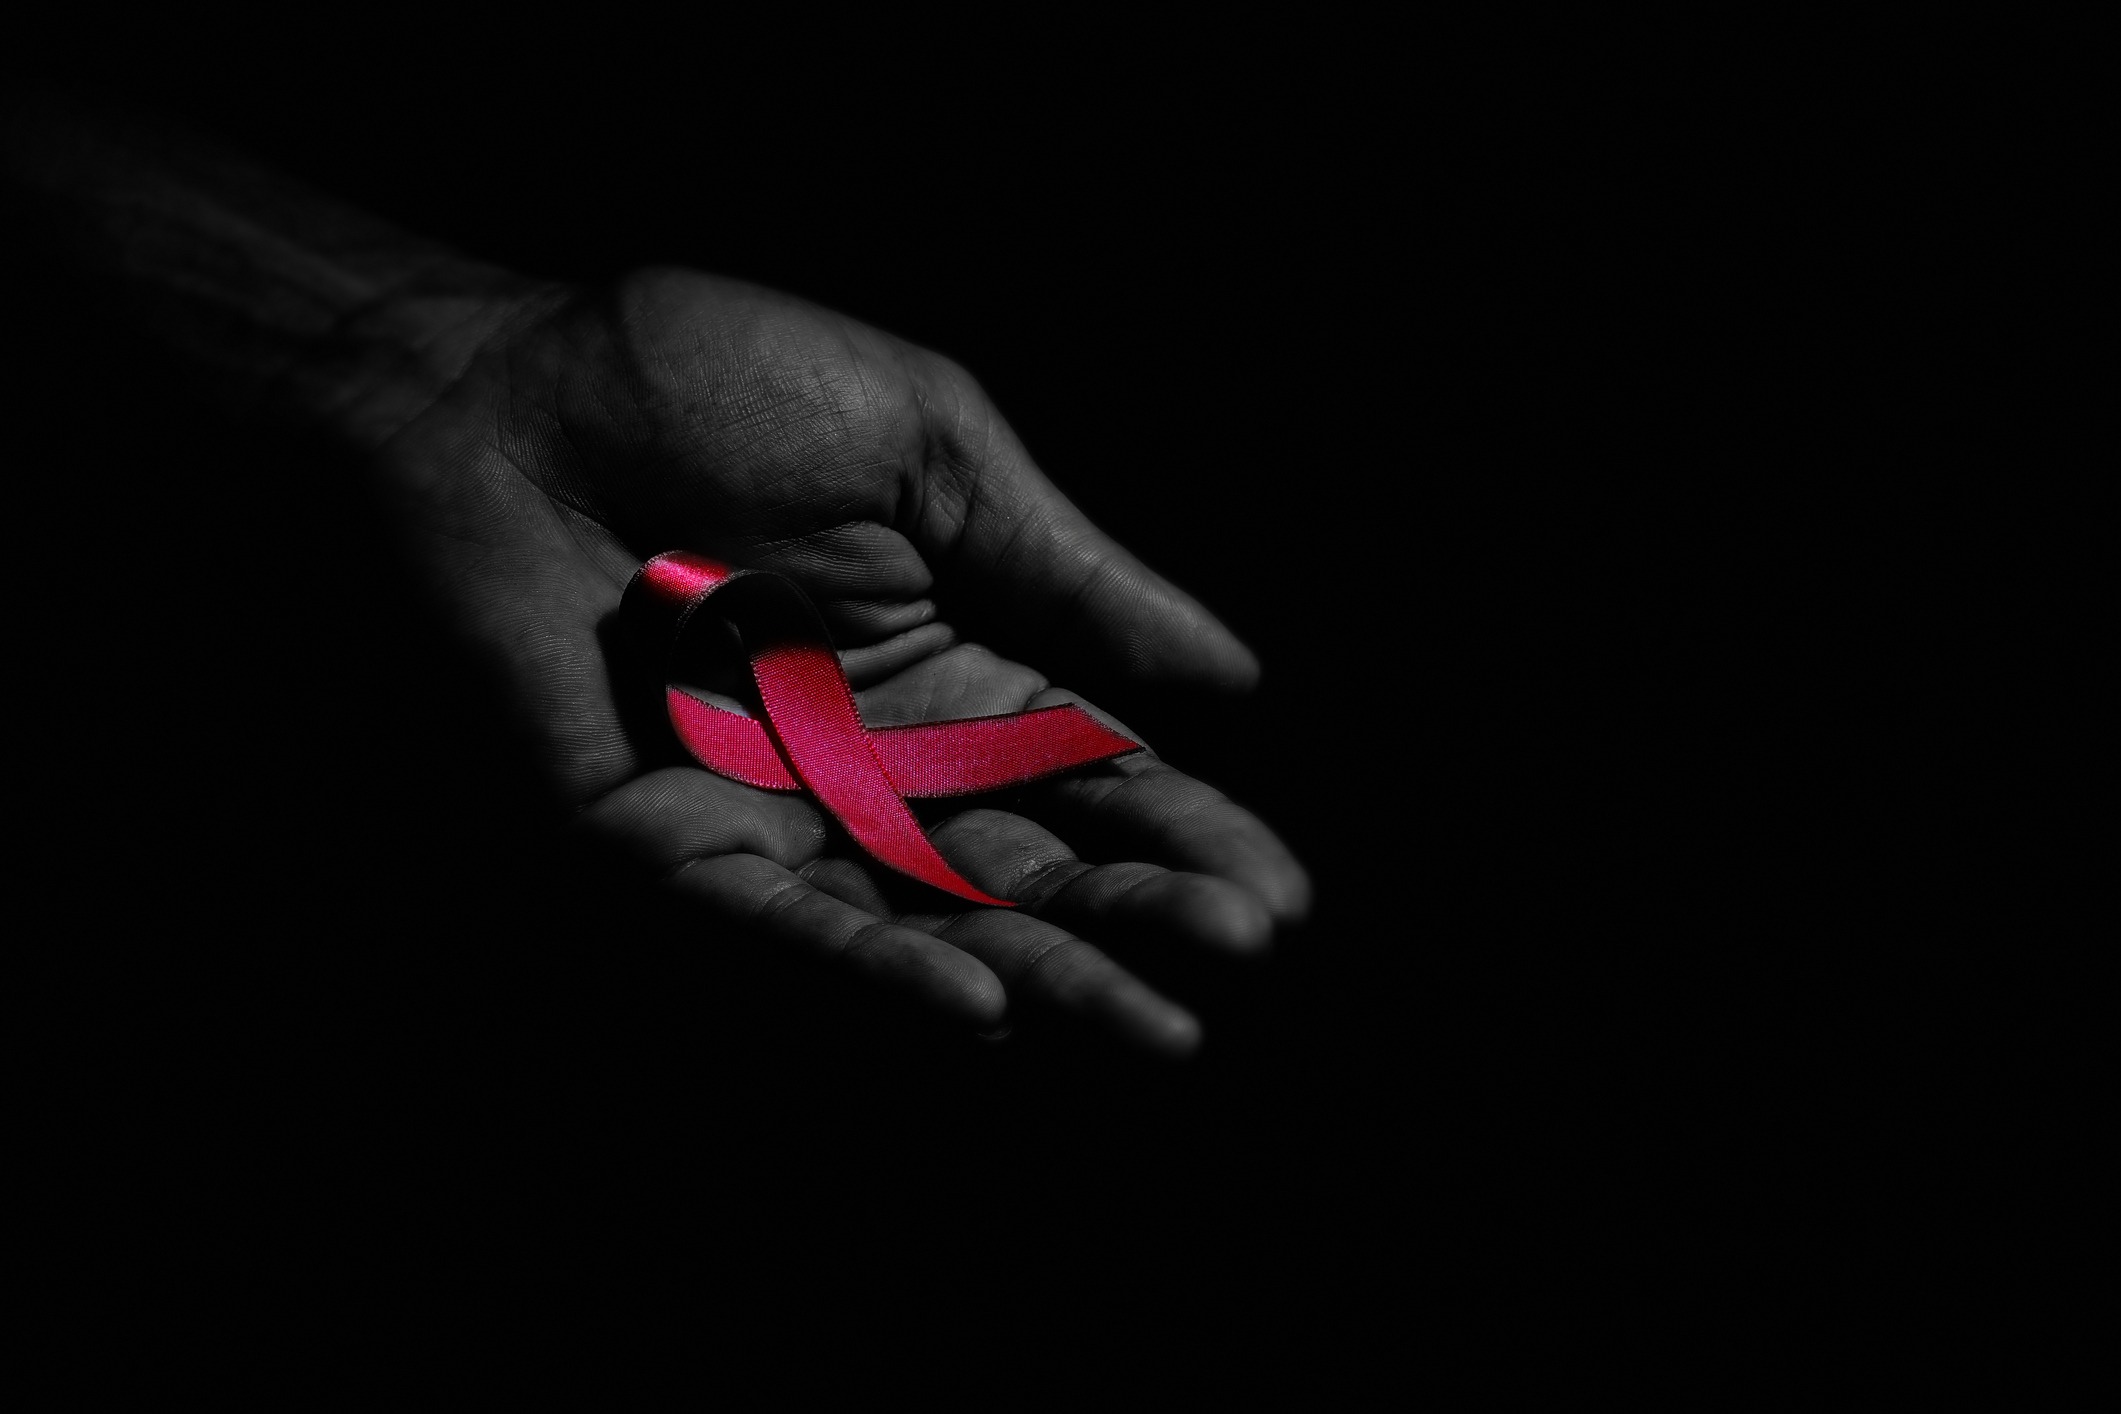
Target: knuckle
<point>1124,883</point>
<point>1044,966</point>
<point>1054,885</point>
<point>1004,848</point>
<point>780,897</point>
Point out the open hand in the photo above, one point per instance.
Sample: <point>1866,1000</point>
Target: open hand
<point>683,411</point>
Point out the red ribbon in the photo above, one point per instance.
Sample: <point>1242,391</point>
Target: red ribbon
<point>812,737</point>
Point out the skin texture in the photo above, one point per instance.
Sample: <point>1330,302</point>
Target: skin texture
<point>533,443</point>
<point>684,410</point>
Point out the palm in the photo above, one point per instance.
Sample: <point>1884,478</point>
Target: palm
<point>693,413</point>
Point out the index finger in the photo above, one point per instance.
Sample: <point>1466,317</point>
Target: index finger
<point>1139,807</point>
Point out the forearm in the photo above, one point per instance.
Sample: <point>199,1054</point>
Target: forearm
<point>278,300</point>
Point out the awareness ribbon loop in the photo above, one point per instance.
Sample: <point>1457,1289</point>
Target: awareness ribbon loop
<point>813,739</point>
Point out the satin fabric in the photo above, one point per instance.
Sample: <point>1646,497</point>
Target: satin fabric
<point>813,738</point>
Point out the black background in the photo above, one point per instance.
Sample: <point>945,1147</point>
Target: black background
<point>1608,447</point>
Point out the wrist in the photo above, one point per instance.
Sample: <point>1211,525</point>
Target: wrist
<point>388,360</point>
<point>273,298</point>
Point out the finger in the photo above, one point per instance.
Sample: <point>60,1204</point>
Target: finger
<point>1045,968</point>
<point>1042,966</point>
<point>1006,541</point>
<point>1140,808</point>
<point>1013,858</point>
<point>773,901</point>
<point>1150,901</point>
<point>852,883</point>
<point>732,848</point>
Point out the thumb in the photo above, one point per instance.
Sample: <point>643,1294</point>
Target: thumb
<point>1016,558</point>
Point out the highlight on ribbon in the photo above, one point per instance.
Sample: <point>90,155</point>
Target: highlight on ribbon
<point>812,738</point>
